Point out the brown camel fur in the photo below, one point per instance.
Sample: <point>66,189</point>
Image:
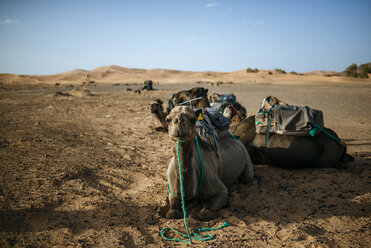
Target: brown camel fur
<point>235,112</point>
<point>186,95</point>
<point>179,97</point>
<point>271,101</point>
<point>158,111</point>
<point>233,163</point>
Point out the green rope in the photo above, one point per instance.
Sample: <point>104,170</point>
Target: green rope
<point>195,234</point>
<point>202,167</point>
<point>202,171</point>
<point>312,132</point>
<point>232,136</point>
<point>267,129</point>
<point>168,190</point>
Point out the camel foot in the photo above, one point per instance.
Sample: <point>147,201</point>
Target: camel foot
<point>164,208</point>
<point>173,214</point>
<point>193,212</point>
<point>206,215</point>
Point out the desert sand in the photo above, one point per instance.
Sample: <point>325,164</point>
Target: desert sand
<point>87,168</point>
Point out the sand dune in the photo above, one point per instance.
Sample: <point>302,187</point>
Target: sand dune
<point>118,74</point>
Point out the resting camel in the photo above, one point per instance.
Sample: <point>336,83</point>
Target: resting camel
<point>290,151</point>
<point>177,98</point>
<point>235,112</point>
<point>189,95</point>
<point>233,163</point>
<point>158,111</point>
<point>229,107</point>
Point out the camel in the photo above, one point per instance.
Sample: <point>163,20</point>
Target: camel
<point>228,106</point>
<point>158,111</point>
<point>291,152</point>
<point>272,101</point>
<point>178,98</point>
<point>235,112</point>
<point>189,95</point>
<point>233,163</point>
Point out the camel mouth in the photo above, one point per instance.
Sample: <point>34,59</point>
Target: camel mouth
<point>178,136</point>
<point>182,138</point>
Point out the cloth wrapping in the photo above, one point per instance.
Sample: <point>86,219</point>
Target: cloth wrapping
<point>211,126</point>
<point>288,120</point>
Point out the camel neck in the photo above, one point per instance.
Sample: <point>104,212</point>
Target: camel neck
<point>161,117</point>
<point>186,154</point>
<point>204,102</point>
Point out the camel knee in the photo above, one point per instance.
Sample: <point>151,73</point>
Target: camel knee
<point>173,214</point>
<point>247,175</point>
<point>217,201</point>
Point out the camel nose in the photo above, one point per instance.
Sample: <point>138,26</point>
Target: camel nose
<point>180,119</point>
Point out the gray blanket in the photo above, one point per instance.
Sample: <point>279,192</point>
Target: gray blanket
<point>289,120</point>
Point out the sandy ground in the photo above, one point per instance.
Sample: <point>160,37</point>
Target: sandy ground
<point>87,170</point>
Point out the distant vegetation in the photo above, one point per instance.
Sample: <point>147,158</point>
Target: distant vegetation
<point>333,74</point>
<point>354,71</point>
<point>270,73</point>
<point>249,70</point>
<point>280,71</point>
<point>295,73</point>
<point>365,69</point>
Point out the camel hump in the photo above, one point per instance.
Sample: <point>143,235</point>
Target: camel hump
<point>214,117</point>
<point>288,119</point>
<point>211,126</point>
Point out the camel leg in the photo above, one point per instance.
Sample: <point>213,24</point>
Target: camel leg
<point>330,157</point>
<point>215,203</point>
<point>174,210</point>
<point>247,174</point>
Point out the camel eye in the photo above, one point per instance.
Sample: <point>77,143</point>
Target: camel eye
<point>168,119</point>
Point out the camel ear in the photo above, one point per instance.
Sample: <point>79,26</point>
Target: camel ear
<point>159,101</point>
<point>206,90</point>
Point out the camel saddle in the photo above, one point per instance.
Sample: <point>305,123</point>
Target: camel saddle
<point>211,126</point>
<point>223,97</point>
<point>288,120</point>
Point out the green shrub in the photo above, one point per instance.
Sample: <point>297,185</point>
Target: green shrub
<point>364,71</point>
<point>351,71</point>
<point>354,71</point>
<point>249,70</point>
<point>294,72</point>
<point>280,71</point>
<point>270,73</point>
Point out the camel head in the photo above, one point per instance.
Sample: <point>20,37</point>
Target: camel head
<point>156,107</point>
<point>182,123</point>
<point>186,95</point>
<point>271,101</point>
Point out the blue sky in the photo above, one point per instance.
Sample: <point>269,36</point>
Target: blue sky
<point>48,37</point>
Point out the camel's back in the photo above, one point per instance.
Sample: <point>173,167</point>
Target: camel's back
<point>234,159</point>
